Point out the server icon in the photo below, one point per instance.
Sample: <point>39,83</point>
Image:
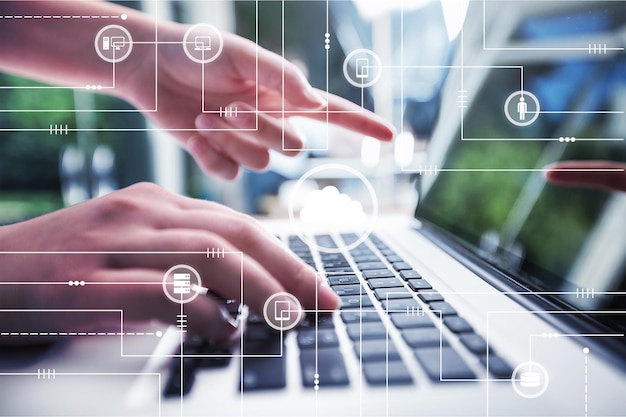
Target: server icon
<point>182,283</point>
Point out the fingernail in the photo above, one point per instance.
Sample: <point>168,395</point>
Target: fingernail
<point>203,121</point>
<point>315,97</point>
<point>328,300</point>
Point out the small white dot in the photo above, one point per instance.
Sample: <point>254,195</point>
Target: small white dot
<point>573,139</point>
<point>327,46</point>
<point>316,381</point>
<point>585,350</point>
<point>159,333</point>
<point>70,283</point>
<point>316,376</point>
<point>327,41</point>
<point>82,283</point>
<point>87,87</point>
<point>316,387</point>
<point>76,283</point>
<point>544,335</point>
<point>327,35</point>
<point>561,139</point>
<point>124,16</point>
<point>99,87</point>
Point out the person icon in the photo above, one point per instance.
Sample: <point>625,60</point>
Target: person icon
<point>522,108</point>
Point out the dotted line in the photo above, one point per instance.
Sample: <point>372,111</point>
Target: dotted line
<point>157,334</point>
<point>59,17</point>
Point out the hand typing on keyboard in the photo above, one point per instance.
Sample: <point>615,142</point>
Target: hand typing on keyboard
<point>111,239</point>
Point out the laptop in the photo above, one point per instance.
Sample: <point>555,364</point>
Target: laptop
<point>502,296</point>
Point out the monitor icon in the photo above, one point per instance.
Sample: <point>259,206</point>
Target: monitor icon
<point>202,43</point>
<point>118,42</point>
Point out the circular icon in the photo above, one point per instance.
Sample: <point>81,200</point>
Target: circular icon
<point>530,379</point>
<point>181,284</point>
<point>362,68</point>
<point>203,43</point>
<point>522,108</point>
<point>282,311</point>
<point>329,208</point>
<point>113,43</point>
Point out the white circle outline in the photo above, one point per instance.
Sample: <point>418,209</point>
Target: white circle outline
<point>532,119</point>
<point>210,59</point>
<point>529,364</point>
<point>179,300</point>
<point>271,323</point>
<point>378,65</point>
<point>97,44</point>
<point>370,189</point>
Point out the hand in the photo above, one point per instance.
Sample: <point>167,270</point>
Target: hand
<point>230,81</point>
<point>564,173</point>
<point>143,218</point>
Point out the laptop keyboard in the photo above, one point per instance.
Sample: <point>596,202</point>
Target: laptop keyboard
<point>417,310</point>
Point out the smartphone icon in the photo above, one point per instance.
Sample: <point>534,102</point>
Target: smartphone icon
<point>106,43</point>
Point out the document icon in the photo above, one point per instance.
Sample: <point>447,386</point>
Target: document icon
<point>282,311</point>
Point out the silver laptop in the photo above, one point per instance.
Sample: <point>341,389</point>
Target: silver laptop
<point>502,296</point>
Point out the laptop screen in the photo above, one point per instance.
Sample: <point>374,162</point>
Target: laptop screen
<point>490,193</point>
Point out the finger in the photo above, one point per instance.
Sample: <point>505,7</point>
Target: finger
<point>344,113</point>
<point>248,236</point>
<point>210,160</point>
<point>268,131</point>
<point>233,142</point>
<point>595,174</point>
<point>139,294</point>
<point>274,72</point>
<point>231,275</point>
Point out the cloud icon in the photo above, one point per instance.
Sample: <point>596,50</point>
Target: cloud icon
<point>330,206</point>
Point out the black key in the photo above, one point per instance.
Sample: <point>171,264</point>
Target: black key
<point>430,296</point>
<point>338,270</point>
<point>324,321</point>
<point>386,251</point>
<point>332,257</point>
<point>424,337</point>
<point>355,301</point>
<point>394,258</point>
<point>376,350</point>
<point>342,279</point>
<point>366,258</point>
<point>457,324</point>
<point>353,289</point>
<point>384,283</point>
<point>335,264</point>
<point>391,293</point>
<point>419,284</point>
<point>401,305</point>
<point>497,366</point>
<point>377,273</point>
<point>443,308</point>
<point>383,373</point>
<point>452,365</point>
<point>366,331</point>
<point>330,367</point>
<point>409,274</point>
<point>361,251</point>
<point>401,266</point>
<point>474,343</point>
<point>325,338</point>
<point>410,321</point>
<point>356,316</point>
<point>267,372</point>
<point>178,384</point>
<point>367,266</point>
